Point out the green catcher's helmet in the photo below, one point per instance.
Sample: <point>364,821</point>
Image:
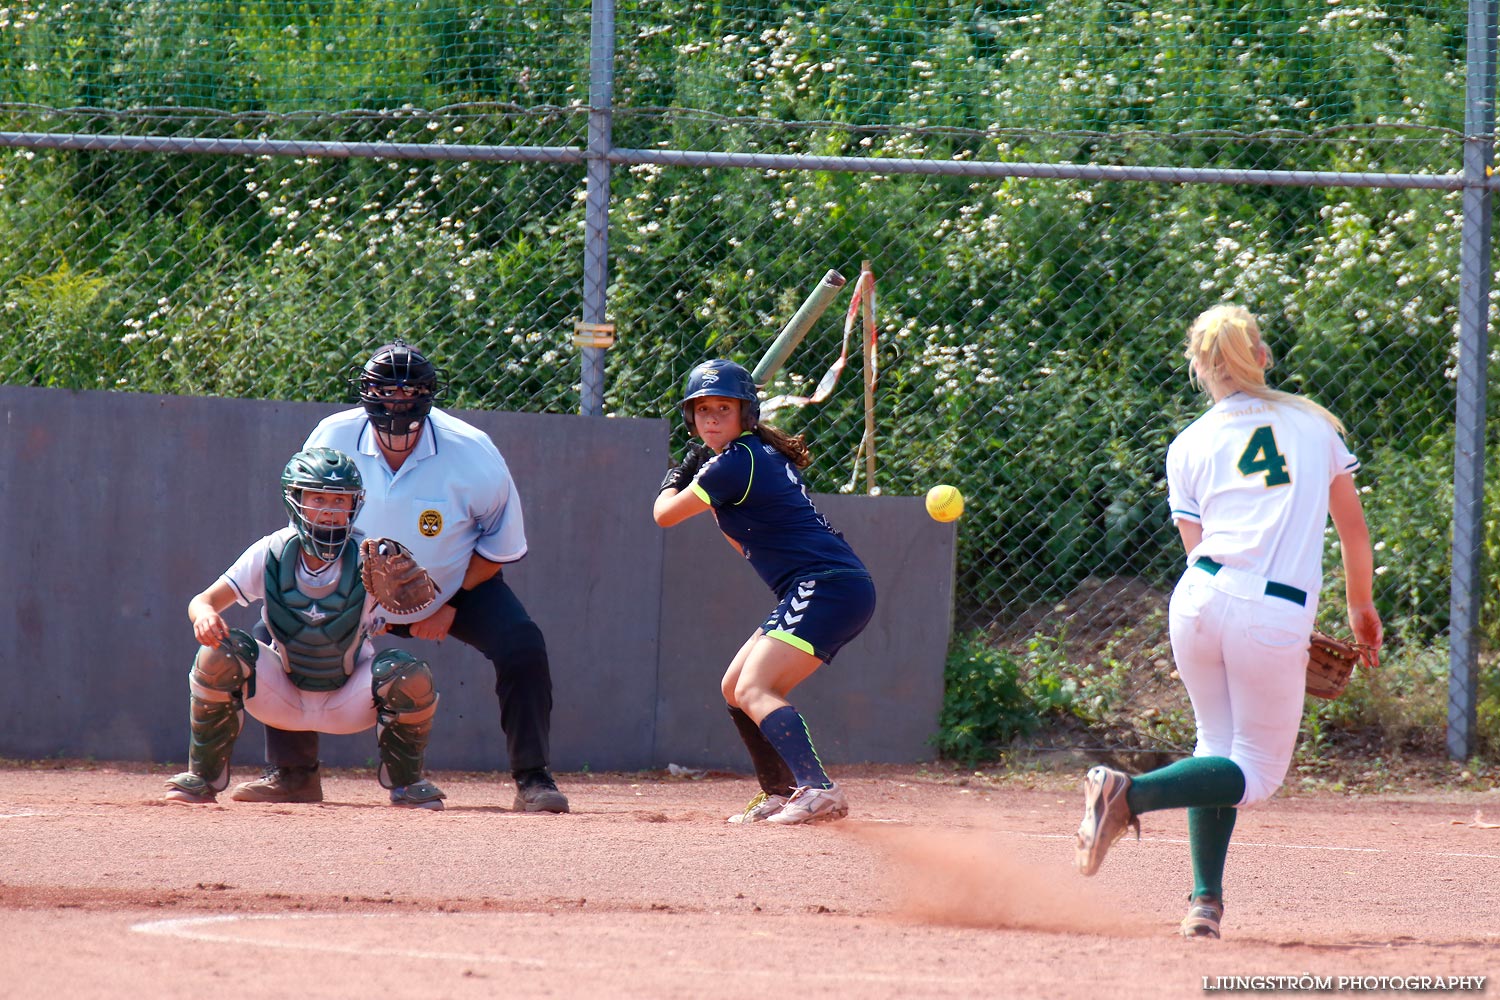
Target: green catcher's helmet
<point>324,531</point>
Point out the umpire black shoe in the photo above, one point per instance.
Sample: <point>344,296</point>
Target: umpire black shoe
<point>537,792</point>
<point>282,784</point>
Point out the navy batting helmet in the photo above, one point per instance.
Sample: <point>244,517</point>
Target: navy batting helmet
<point>722,378</point>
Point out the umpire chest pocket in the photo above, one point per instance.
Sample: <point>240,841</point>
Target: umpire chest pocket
<point>430,518</point>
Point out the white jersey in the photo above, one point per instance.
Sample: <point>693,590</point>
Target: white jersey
<point>452,497</point>
<point>1255,474</point>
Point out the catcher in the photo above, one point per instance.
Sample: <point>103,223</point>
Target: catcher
<point>1251,485</point>
<point>320,609</point>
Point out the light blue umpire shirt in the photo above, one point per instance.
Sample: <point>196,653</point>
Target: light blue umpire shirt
<point>452,497</point>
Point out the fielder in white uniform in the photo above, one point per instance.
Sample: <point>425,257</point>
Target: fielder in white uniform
<point>1251,484</point>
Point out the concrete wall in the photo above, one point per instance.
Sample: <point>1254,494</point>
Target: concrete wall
<point>119,507</point>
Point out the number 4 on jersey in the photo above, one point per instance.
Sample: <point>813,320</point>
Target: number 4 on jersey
<point>1261,457</point>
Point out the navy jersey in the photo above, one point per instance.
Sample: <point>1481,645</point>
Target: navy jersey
<point>760,501</point>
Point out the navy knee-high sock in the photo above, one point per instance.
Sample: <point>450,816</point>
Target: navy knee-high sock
<point>770,769</point>
<point>787,732</point>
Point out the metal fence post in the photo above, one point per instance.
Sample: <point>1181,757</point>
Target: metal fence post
<point>1473,364</point>
<point>596,205</point>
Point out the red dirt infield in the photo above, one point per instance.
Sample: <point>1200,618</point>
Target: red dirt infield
<point>936,886</point>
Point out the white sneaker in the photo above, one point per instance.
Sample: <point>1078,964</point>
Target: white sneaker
<point>1106,816</point>
<point>813,805</point>
<point>763,806</point>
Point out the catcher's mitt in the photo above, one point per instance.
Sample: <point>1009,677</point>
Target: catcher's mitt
<point>1330,662</point>
<point>393,578</point>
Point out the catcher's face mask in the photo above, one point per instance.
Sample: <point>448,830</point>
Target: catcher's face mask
<point>322,491</point>
<point>324,519</point>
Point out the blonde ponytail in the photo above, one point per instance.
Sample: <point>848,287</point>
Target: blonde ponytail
<point>1225,347</point>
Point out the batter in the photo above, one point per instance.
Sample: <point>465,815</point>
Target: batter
<point>825,596</point>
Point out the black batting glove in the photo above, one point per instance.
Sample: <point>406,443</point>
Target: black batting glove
<point>675,480</point>
<point>698,455</point>
<point>680,477</point>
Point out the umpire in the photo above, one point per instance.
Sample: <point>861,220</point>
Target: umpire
<point>439,486</point>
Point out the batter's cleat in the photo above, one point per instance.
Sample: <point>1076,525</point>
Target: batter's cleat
<point>537,792</point>
<point>1203,916</point>
<point>282,784</point>
<point>1106,816</point>
<point>763,806</point>
<point>421,794</point>
<point>812,805</point>
<point>188,787</point>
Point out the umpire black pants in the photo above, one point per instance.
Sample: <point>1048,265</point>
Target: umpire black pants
<point>492,620</point>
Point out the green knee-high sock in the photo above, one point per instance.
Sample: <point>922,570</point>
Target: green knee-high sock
<point>1209,830</point>
<point>1194,782</point>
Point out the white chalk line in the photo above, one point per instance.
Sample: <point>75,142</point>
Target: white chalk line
<point>20,815</point>
<point>186,927</point>
<point>189,928</point>
<point>1277,847</point>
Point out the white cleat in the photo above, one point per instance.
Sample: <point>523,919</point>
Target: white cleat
<point>813,805</point>
<point>1204,916</point>
<point>762,807</point>
<point>1106,816</point>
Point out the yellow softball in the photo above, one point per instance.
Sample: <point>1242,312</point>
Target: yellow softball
<point>945,503</point>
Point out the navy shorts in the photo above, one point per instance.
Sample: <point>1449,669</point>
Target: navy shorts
<point>820,615</point>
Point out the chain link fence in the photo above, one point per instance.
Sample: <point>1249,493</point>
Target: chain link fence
<point>242,199</point>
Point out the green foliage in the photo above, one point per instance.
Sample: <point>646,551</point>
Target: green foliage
<point>291,55</point>
<point>991,696</point>
<point>1409,523</point>
<point>1112,689</point>
<point>1030,328</point>
<point>1049,680</point>
<point>60,308</point>
<point>1487,713</point>
<point>1063,64</point>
